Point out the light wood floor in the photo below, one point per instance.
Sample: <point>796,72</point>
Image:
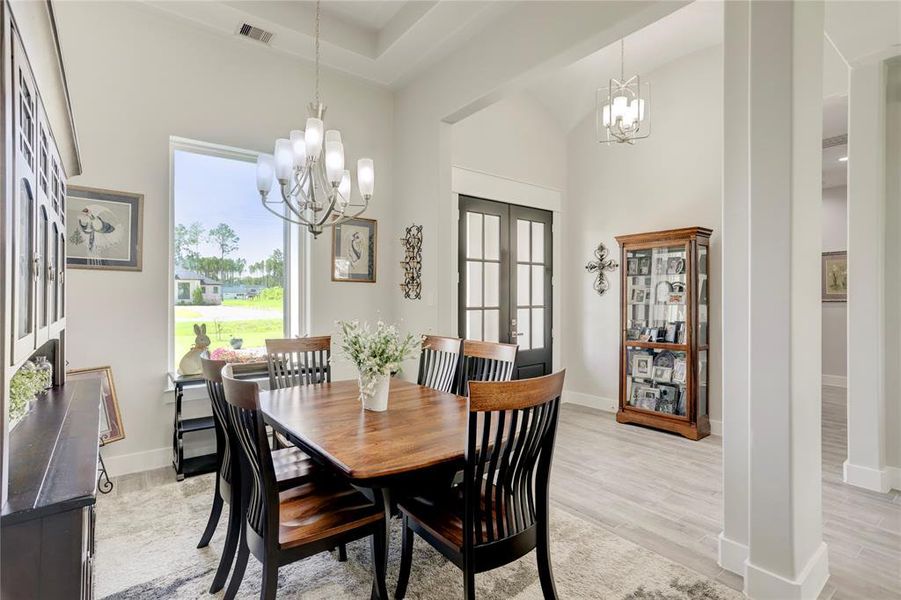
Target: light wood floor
<point>665,493</point>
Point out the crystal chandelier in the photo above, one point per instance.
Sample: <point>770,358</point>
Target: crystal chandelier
<point>315,189</point>
<point>623,108</point>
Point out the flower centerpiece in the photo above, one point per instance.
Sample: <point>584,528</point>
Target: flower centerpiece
<point>377,353</point>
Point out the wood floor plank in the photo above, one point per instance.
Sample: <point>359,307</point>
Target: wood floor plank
<point>664,492</point>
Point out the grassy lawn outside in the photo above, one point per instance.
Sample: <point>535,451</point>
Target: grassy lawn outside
<point>258,302</point>
<point>251,320</point>
<point>254,333</point>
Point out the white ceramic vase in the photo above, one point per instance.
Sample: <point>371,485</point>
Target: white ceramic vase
<point>374,392</point>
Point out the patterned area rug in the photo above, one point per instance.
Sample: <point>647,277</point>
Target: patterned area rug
<point>146,550</point>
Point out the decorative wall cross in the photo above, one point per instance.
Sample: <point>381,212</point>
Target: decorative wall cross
<point>599,266</point>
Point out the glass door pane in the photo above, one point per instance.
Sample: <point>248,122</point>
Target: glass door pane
<point>482,298</point>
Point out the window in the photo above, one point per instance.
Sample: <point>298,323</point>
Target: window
<point>229,254</point>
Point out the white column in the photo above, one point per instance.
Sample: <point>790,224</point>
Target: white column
<point>865,466</point>
<point>733,540</point>
<point>772,166</point>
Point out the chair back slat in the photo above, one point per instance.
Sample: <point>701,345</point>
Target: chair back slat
<point>299,361</point>
<point>485,361</point>
<point>243,399</point>
<point>212,373</point>
<point>438,362</point>
<point>510,440</point>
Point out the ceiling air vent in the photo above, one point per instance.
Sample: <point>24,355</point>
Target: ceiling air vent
<point>255,33</point>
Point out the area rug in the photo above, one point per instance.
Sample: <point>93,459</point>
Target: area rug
<point>146,550</point>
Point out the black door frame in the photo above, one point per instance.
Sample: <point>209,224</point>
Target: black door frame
<point>508,214</point>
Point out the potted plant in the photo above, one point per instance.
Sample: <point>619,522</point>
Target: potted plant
<point>24,388</point>
<point>377,353</point>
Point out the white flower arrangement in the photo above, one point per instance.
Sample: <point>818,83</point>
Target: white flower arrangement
<point>375,352</point>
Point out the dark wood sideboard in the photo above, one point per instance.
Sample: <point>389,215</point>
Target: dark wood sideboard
<point>47,523</point>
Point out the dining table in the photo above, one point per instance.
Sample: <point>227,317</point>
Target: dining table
<point>415,445</point>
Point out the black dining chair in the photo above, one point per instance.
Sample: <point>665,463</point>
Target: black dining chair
<point>283,526</point>
<point>485,361</point>
<point>438,362</point>
<point>291,466</point>
<point>500,513</point>
<point>299,361</point>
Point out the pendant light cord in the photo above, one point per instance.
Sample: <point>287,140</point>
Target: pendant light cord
<point>622,57</point>
<point>317,52</point>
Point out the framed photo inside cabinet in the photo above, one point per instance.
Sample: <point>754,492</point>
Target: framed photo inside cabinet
<point>355,251</point>
<point>104,229</point>
<point>835,276</point>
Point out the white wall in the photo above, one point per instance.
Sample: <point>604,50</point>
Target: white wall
<point>835,314</point>
<point>893,270</point>
<point>140,78</point>
<point>515,138</point>
<point>671,179</point>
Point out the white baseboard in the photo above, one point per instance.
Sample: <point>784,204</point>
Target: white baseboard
<point>835,380</point>
<point>716,427</point>
<point>148,460</point>
<point>763,584</point>
<point>590,400</point>
<point>732,555</point>
<point>877,480</point>
<point>894,477</point>
<point>125,464</point>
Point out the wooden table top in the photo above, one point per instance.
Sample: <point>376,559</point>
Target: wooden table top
<point>421,428</point>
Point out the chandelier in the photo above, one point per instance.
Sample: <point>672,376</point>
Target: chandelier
<point>314,186</point>
<point>623,108</point>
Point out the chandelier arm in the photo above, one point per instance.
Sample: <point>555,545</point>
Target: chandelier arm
<point>282,215</point>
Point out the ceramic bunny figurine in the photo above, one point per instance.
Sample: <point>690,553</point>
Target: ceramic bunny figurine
<point>190,362</point>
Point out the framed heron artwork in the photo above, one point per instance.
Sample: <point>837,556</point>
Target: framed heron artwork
<point>355,251</point>
<point>103,229</point>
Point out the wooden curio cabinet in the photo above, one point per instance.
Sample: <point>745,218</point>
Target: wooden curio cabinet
<point>665,346</point>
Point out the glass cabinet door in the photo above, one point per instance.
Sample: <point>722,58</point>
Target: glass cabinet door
<point>656,294</point>
<point>40,268</point>
<point>657,380</point>
<point>24,253</point>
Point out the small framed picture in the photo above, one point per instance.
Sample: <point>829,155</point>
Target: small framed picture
<point>676,298</point>
<point>638,296</point>
<point>662,374</point>
<point>644,265</point>
<point>680,338</point>
<point>631,266</point>
<point>642,364</point>
<point>669,399</point>
<point>679,371</point>
<point>354,251</point>
<point>633,333</point>
<point>112,428</point>
<point>660,265</point>
<point>835,277</point>
<point>675,265</point>
<point>647,398</point>
<point>104,229</point>
<point>670,337</point>
<point>652,334</point>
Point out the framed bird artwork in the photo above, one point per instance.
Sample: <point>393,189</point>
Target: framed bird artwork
<point>103,229</point>
<point>355,251</point>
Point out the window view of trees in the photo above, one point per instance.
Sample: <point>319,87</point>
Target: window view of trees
<point>229,257</point>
